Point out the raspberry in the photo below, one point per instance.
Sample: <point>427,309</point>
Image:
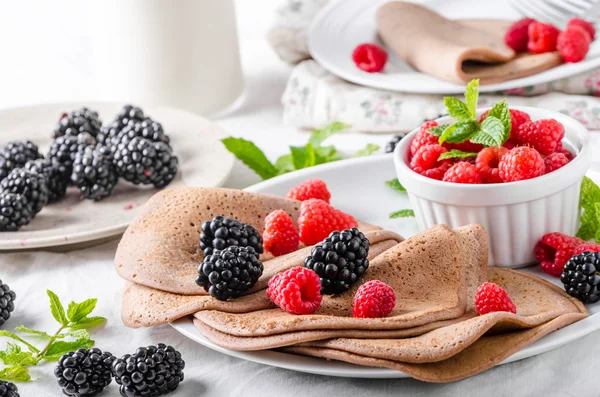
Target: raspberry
<point>313,188</point>
<point>297,290</point>
<point>587,26</point>
<point>521,163</point>
<point>517,118</point>
<point>554,250</point>
<point>317,219</point>
<point>369,57</point>
<point>589,247</point>
<point>491,298</point>
<point>561,149</point>
<point>425,162</point>
<point>423,137</point>
<point>516,36</point>
<point>487,162</point>
<point>573,44</point>
<point>542,135</point>
<point>373,299</point>
<point>280,236</point>
<point>542,37</point>
<point>555,161</point>
<point>463,172</point>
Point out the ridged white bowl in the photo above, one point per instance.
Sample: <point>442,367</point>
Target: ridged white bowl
<point>517,214</point>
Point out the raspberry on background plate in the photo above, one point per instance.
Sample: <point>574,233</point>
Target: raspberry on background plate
<point>491,298</point>
<point>373,299</point>
<point>516,36</point>
<point>280,236</point>
<point>487,162</point>
<point>573,44</point>
<point>425,162</point>
<point>463,172</point>
<point>297,290</point>
<point>312,188</point>
<point>369,57</point>
<point>542,37</point>
<point>521,163</point>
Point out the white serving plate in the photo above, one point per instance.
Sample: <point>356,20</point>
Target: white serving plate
<point>342,25</point>
<point>203,161</point>
<point>357,187</point>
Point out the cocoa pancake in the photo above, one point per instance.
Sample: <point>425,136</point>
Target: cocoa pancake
<point>144,306</point>
<point>456,50</point>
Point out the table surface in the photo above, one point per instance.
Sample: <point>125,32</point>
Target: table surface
<point>46,59</point>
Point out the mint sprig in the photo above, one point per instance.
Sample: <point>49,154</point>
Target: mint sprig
<point>405,213</point>
<point>589,204</point>
<point>456,154</point>
<point>70,336</point>
<point>396,185</point>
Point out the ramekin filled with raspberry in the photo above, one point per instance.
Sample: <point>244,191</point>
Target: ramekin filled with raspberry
<point>519,190</point>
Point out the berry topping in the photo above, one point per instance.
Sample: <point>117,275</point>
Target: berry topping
<point>554,250</point>
<point>487,162</point>
<point>318,219</point>
<point>491,298</point>
<point>391,145</point>
<point>555,161</point>
<point>423,137</point>
<point>311,189</point>
<point>220,233</point>
<point>340,260</point>
<point>463,172</point>
<point>587,26</point>
<point>373,299</point>
<point>280,235</point>
<point>29,184</point>
<point>15,211</point>
<point>228,273</point>
<point>516,37</point>
<point>369,57</point>
<point>425,162</point>
<point>581,277</point>
<point>573,44</point>
<point>542,37</point>
<point>297,290</point>
<point>542,135</point>
<point>84,372</point>
<point>7,299</point>
<point>521,163</point>
<point>590,247</point>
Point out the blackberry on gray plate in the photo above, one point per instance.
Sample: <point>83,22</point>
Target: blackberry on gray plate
<point>228,273</point>
<point>391,145</point>
<point>220,233</point>
<point>142,161</point>
<point>340,260</point>
<point>146,128</point>
<point>77,122</point>
<point>84,372</point>
<point>8,389</point>
<point>149,372</point>
<point>93,173</point>
<point>55,181</point>
<point>7,299</point>
<point>6,166</point>
<point>581,277</point>
<point>15,212</point>
<point>29,184</point>
<point>128,115</point>
<point>20,152</point>
<point>64,149</point>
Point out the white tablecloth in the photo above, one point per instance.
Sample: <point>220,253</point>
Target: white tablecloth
<point>45,58</point>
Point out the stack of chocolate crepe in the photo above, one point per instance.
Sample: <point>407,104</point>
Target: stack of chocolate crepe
<point>433,334</point>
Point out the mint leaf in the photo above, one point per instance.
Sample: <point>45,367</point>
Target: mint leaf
<point>491,133</point>
<point>77,311</point>
<point>42,334</point>
<point>61,347</point>
<point>589,225</point>
<point>303,156</point>
<point>590,196</point>
<point>248,153</point>
<point>472,96</point>
<point>396,185</point>
<point>57,309</point>
<point>326,154</point>
<point>319,136</point>
<point>284,164</point>
<point>11,335</point>
<point>501,112</point>
<point>367,150</point>
<point>461,131</point>
<point>16,373</point>
<point>78,334</point>
<point>457,108</point>
<point>88,322</point>
<point>440,129</point>
<point>13,355</point>
<point>402,214</point>
<point>456,154</point>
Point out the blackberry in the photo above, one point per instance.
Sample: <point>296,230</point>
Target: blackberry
<point>20,152</point>
<point>8,389</point>
<point>84,372</point>
<point>77,122</point>
<point>140,160</point>
<point>55,181</point>
<point>146,128</point>
<point>340,260</point>
<point>64,149</point>
<point>149,372</point>
<point>228,273</point>
<point>7,298</point>
<point>391,145</point>
<point>29,184</point>
<point>581,277</point>
<point>93,173</point>
<point>6,166</point>
<point>220,233</point>
<point>128,115</point>
<point>15,212</point>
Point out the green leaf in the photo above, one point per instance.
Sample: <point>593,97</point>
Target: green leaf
<point>367,150</point>
<point>319,136</point>
<point>303,156</point>
<point>589,225</point>
<point>440,129</point>
<point>284,164</point>
<point>88,322</point>
<point>42,334</point>
<point>78,311</point>
<point>590,194</point>
<point>248,153</point>
<point>11,335</point>
<point>457,108</point>
<point>15,373</point>
<point>78,334</point>
<point>472,96</point>
<point>501,112</point>
<point>326,154</point>
<point>396,185</point>
<point>461,132</point>
<point>456,154</point>
<point>590,222</point>
<point>57,309</point>
<point>491,133</point>
<point>597,215</point>
<point>13,355</point>
<point>61,347</point>
<point>406,213</point>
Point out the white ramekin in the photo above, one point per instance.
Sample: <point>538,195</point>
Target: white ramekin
<point>515,215</point>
